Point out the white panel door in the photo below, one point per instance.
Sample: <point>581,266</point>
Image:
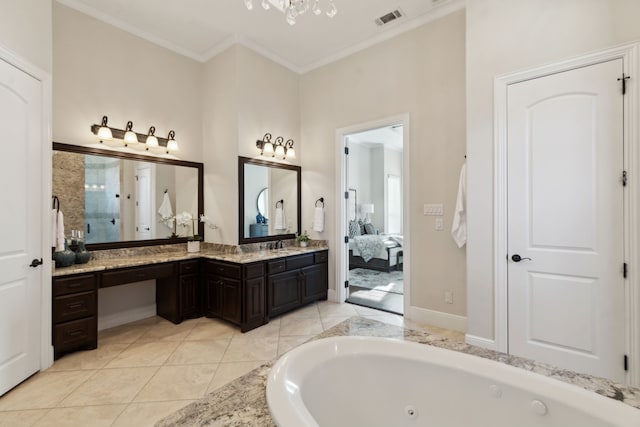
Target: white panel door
<point>20,224</point>
<point>143,202</point>
<point>565,213</point>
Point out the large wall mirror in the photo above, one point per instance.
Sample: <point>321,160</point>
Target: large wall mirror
<point>123,200</point>
<point>269,207</point>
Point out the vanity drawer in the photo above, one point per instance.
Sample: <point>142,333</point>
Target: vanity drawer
<point>277,266</point>
<point>74,306</point>
<point>254,270</point>
<point>72,284</point>
<point>75,333</point>
<point>299,261</point>
<point>137,274</point>
<point>189,267</point>
<point>222,269</point>
<point>321,257</point>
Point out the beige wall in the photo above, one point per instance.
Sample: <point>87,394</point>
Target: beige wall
<point>422,73</point>
<point>245,96</point>
<point>101,70</point>
<point>504,37</point>
<point>25,29</point>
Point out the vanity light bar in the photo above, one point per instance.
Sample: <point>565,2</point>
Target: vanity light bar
<point>128,137</point>
<point>279,148</point>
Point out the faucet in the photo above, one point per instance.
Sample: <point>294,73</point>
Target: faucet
<point>279,244</point>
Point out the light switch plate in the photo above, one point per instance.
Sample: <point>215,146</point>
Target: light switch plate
<point>439,224</point>
<point>433,209</point>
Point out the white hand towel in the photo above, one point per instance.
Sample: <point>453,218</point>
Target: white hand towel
<point>280,222</point>
<point>318,219</point>
<point>166,211</point>
<point>459,226</point>
<point>54,228</point>
<point>59,231</point>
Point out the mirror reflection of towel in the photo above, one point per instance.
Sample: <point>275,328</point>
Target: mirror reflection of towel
<point>280,223</point>
<point>166,211</point>
<point>459,225</point>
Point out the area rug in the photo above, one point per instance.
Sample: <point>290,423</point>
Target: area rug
<point>385,301</point>
<point>378,280</point>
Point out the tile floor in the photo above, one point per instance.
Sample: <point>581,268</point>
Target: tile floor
<point>145,370</point>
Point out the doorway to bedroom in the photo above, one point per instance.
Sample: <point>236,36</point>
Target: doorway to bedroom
<point>374,216</point>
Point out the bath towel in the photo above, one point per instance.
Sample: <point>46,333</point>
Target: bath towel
<point>459,225</point>
<point>165,211</point>
<point>281,222</point>
<point>57,230</point>
<point>318,219</point>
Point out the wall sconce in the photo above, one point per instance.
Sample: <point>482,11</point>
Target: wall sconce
<point>278,148</point>
<point>129,137</point>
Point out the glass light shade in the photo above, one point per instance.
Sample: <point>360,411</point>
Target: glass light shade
<point>130,137</point>
<point>249,4</point>
<point>104,133</point>
<point>291,153</point>
<point>280,151</point>
<point>267,148</point>
<point>332,11</point>
<point>366,208</point>
<point>152,141</point>
<point>266,5</point>
<point>172,145</point>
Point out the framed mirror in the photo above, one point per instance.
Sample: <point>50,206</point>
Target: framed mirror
<point>121,200</point>
<point>269,200</point>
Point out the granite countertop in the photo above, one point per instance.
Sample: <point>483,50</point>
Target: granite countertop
<point>243,402</point>
<point>160,257</point>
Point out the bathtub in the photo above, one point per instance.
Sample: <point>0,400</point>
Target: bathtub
<point>366,381</point>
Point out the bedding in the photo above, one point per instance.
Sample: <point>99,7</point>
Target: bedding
<point>368,245</point>
<point>383,252</point>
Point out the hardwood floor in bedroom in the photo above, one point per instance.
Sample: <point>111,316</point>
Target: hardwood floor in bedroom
<point>377,289</point>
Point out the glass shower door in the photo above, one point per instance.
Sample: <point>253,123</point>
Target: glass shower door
<point>102,199</point>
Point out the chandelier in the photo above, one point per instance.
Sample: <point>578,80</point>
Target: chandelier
<point>294,8</point>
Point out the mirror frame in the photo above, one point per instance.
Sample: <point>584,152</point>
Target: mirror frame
<point>81,149</point>
<point>259,162</point>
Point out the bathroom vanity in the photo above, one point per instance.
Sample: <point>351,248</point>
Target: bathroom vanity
<point>244,289</point>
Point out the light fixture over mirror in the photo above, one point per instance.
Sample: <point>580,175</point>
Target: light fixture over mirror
<point>278,149</point>
<point>130,138</point>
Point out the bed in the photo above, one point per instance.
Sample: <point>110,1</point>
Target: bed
<point>376,252</point>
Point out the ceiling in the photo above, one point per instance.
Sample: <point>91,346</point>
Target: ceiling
<point>389,136</point>
<point>200,29</point>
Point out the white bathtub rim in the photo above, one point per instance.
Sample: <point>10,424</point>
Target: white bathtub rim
<point>287,407</point>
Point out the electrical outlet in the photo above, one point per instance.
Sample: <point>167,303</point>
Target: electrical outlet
<point>448,297</point>
<point>439,224</point>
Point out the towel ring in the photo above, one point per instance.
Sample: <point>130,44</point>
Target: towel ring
<point>321,200</point>
<point>281,203</point>
<point>55,203</point>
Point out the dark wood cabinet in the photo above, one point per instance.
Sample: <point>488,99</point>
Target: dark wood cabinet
<point>235,292</point>
<point>243,294</point>
<point>74,313</point>
<point>295,281</point>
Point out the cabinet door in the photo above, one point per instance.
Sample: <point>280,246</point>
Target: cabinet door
<point>231,300</point>
<point>314,283</point>
<point>189,301</point>
<point>283,291</point>
<point>213,296</point>
<point>254,303</point>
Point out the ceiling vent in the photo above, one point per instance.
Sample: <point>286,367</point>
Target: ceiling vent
<point>389,17</point>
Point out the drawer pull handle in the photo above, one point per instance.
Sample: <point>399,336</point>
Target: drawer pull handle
<point>141,275</point>
<point>74,285</point>
<point>75,305</point>
<point>76,332</point>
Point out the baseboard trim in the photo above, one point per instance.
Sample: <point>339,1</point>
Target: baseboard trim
<point>481,342</point>
<point>438,318</point>
<point>122,317</point>
<point>332,295</point>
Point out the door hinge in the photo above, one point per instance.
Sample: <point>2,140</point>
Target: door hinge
<point>624,79</point>
<point>346,150</point>
<point>346,285</point>
<point>346,194</point>
<point>346,239</point>
<point>624,178</point>
<point>626,362</point>
<point>624,270</point>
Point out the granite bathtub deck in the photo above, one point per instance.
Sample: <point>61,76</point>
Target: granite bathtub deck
<point>243,401</point>
<point>158,258</point>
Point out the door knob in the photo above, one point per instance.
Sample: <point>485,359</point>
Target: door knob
<point>518,258</point>
<point>36,262</point>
